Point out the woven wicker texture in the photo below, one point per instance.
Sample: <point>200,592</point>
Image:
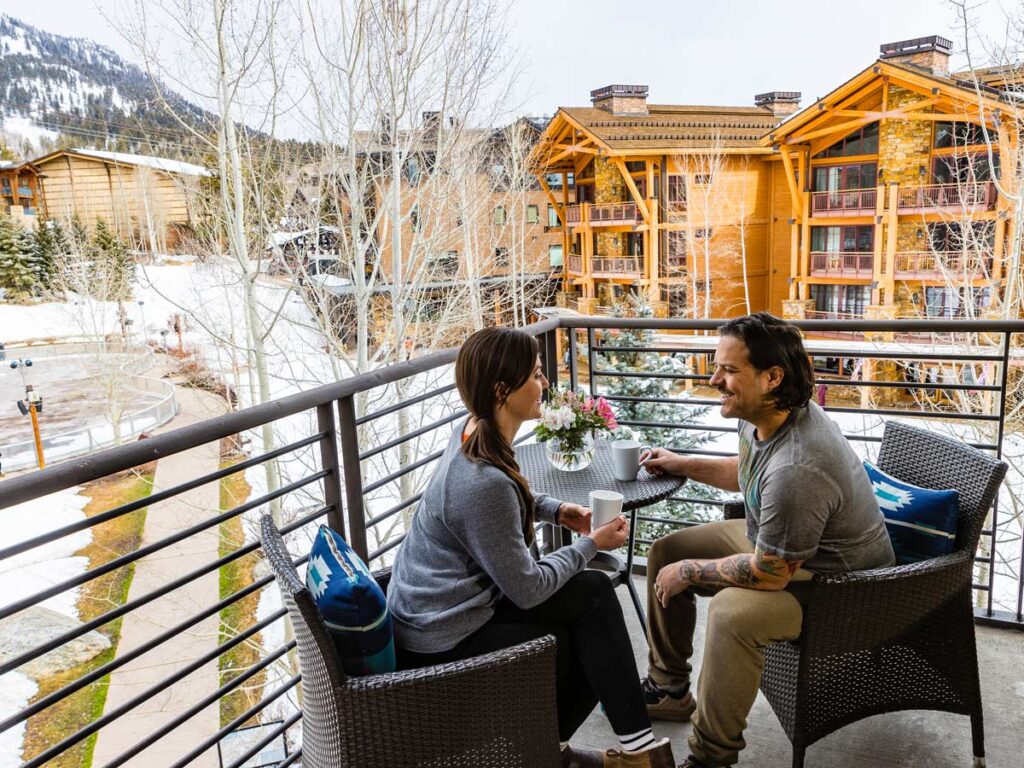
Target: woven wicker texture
<point>491,711</point>
<point>891,638</point>
<point>576,486</point>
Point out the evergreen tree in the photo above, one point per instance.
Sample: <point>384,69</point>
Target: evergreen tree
<point>49,243</point>
<point>670,413</point>
<point>113,269</point>
<point>17,262</point>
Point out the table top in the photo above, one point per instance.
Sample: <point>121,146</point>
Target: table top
<point>575,487</point>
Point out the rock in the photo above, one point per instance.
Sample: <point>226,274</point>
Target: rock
<point>34,626</point>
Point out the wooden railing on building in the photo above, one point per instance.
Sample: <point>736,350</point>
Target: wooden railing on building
<point>931,197</point>
<point>939,264</point>
<point>833,264</point>
<point>844,202</point>
<point>575,264</point>
<point>605,213</point>
<point>619,266</point>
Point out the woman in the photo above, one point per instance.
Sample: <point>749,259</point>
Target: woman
<point>465,581</point>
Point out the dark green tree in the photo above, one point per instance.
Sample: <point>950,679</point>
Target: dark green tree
<point>18,274</point>
<point>113,269</point>
<point>663,385</point>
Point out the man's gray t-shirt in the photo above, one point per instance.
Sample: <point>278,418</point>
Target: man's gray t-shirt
<point>808,497</point>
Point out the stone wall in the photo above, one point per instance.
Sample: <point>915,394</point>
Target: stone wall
<point>609,187</point>
<point>904,145</point>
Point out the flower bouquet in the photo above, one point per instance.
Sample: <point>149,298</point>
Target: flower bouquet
<point>567,426</point>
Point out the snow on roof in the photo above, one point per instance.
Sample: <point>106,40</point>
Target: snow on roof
<point>160,163</point>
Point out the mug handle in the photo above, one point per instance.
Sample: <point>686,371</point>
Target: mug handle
<point>643,448</point>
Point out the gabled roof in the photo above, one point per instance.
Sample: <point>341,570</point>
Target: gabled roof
<point>863,91</point>
<point>164,164</point>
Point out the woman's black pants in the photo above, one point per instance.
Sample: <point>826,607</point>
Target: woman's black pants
<point>594,658</point>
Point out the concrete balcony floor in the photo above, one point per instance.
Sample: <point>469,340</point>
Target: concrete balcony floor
<point>915,739</point>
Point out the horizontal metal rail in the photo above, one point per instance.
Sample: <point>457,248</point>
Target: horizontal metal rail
<point>255,748</point>
<point>390,444</point>
<point>404,404</point>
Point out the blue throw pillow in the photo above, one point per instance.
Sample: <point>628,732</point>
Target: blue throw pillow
<point>921,521</point>
<point>352,604</point>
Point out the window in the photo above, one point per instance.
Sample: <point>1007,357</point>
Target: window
<point>841,299</point>
<point>974,237</point>
<point>553,216</point>
<point>635,243</point>
<point>703,178</point>
<point>532,214</point>
<point>446,264</point>
<point>843,239</point>
<point>555,256</point>
<point>960,135</point>
<point>676,191</point>
<point>951,302</point>
<point>863,141</point>
<point>501,256</point>
<point>636,166</point>
<point>961,169</point>
<point>412,171</point>
<point>675,295</point>
<point>676,245</point>
<point>703,232</point>
<point>499,215</point>
<point>584,193</point>
<point>841,177</point>
<point>414,218</point>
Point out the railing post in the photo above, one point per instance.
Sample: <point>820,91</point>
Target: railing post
<point>326,422</point>
<point>549,356</point>
<point>574,374</point>
<point>353,475</point>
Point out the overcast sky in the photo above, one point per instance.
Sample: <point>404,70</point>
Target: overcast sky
<point>687,51</point>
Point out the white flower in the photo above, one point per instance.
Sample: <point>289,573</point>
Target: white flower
<point>557,418</point>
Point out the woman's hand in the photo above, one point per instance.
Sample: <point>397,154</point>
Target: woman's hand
<point>669,583</point>
<point>574,517</point>
<point>660,461</point>
<point>611,535</point>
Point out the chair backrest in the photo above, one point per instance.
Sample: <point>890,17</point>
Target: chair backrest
<point>928,460</point>
<point>321,673</point>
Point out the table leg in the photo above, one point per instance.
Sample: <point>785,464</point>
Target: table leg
<point>628,575</point>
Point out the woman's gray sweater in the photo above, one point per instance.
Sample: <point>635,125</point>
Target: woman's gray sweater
<point>465,550</point>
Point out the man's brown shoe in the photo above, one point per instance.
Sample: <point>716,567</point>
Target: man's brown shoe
<point>658,756</point>
<point>667,703</point>
<point>581,758</point>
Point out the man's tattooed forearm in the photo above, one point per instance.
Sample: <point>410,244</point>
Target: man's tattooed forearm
<point>757,571</point>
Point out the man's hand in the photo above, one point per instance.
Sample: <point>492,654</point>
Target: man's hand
<point>660,461</point>
<point>574,517</point>
<point>670,582</point>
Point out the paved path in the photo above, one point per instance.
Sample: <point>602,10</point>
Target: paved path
<point>162,520</point>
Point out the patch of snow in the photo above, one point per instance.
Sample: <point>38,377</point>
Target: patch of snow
<point>23,129</point>
<point>17,690</point>
<point>160,163</point>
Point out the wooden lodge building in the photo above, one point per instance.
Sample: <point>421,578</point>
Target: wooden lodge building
<point>148,201</point>
<point>877,200</point>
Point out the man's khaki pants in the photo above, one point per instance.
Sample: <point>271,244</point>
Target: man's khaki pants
<point>741,622</point>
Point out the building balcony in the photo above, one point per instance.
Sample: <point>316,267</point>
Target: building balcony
<point>939,265</point>
<point>633,267</point>
<point>832,264</point>
<point>605,214</point>
<point>844,202</point>
<point>938,198</point>
<point>190,673</point>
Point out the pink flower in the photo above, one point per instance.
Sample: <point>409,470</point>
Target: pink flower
<point>588,404</point>
<point>604,410</point>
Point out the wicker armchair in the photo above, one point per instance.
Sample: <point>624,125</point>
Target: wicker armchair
<point>891,638</point>
<point>491,711</point>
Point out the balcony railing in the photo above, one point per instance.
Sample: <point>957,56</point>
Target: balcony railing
<point>351,464</point>
<point>619,266</point>
<point>933,265</point>
<point>937,197</point>
<point>844,202</point>
<point>829,264</point>
<point>606,214</point>
<point>575,264</point>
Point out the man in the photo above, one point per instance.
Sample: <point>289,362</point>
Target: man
<point>809,507</point>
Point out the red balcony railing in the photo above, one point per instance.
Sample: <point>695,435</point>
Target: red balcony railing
<point>606,213</point>
<point>844,202</point>
<point>932,197</point>
<point>936,265</point>
<point>825,264</point>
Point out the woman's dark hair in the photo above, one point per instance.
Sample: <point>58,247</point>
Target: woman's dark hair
<point>773,342</point>
<point>491,365</point>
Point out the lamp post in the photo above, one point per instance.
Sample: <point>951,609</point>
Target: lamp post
<point>142,317</point>
<point>31,406</point>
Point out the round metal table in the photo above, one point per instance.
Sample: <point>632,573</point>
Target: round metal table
<point>576,486</point>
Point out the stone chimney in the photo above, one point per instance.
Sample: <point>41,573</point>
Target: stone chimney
<point>621,99</point>
<point>781,103</point>
<point>928,53</point>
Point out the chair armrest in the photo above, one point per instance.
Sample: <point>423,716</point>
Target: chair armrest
<point>414,717</point>
<point>858,609</point>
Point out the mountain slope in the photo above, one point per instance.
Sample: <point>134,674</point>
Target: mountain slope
<point>86,93</point>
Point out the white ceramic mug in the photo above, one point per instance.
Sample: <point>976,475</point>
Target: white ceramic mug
<point>626,459</point>
<point>605,506</point>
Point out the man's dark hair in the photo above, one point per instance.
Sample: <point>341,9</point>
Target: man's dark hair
<point>770,342</point>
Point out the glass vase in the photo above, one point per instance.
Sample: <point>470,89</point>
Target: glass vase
<point>572,459</point>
